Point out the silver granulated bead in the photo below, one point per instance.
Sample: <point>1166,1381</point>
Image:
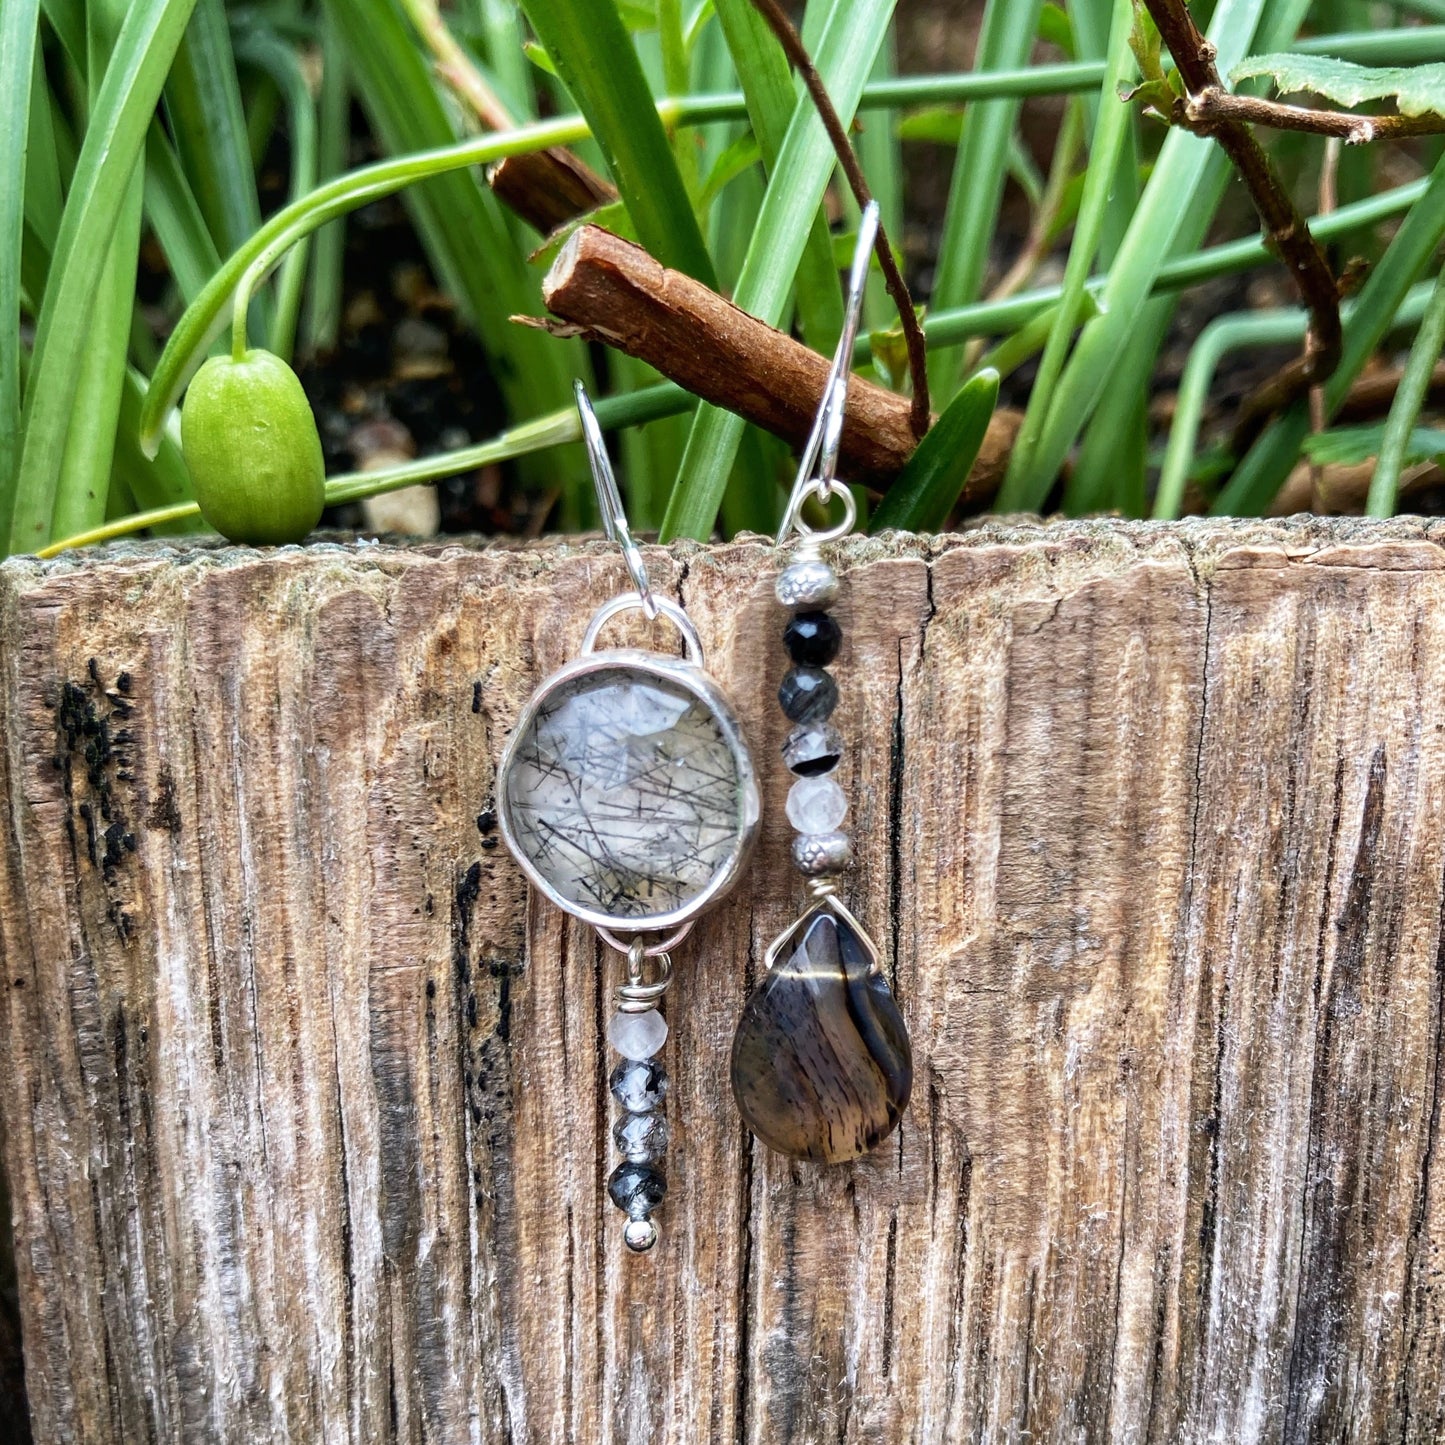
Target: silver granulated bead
<point>806,583</point>
<point>815,855</point>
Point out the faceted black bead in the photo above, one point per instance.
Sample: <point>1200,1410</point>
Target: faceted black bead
<point>813,638</point>
<point>808,694</point>
<point>636,1189</point>
<point>640,1086</point>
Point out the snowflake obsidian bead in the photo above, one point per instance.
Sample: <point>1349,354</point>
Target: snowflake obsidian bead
<point>636,1189</point>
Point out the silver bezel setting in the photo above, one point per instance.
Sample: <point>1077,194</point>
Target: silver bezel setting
<point>685,674</point>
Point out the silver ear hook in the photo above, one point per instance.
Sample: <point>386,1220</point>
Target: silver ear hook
<point>826,437</point>
<point>609,501</point>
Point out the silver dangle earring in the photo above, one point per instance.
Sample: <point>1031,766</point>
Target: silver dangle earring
<point>822,1067</point>
<point>628,797</point>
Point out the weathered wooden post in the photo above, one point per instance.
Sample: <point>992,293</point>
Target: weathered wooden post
<point>304,1109</point>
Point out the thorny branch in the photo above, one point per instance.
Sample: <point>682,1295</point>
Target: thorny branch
<point>802,62</point>
<point>1286,230</point>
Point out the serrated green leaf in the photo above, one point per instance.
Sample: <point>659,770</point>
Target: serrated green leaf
<point>929,485</point>
<point>1415,89</point>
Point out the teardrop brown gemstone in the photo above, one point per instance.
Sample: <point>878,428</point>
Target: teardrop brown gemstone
<point>822,1067</point>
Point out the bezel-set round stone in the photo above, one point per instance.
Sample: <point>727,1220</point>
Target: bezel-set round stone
<point>627,791</point>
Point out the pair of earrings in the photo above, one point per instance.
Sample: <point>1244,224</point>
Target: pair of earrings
<point>628,796</point>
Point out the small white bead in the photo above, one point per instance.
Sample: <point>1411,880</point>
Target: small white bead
<point>637,1036</point>
<point>817,805</point>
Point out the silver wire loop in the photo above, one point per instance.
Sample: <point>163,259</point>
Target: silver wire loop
<point>609,502</point>
<point>635,996</point>
<point>826,438</point>
<point>651,950</point>
<point>634,602</point>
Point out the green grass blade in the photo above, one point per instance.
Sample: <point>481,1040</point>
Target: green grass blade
<point>928,488</point>
<point>175,216</point>
<point>112,146</point>
<point>1165,205</point>
<point>979,171</point>
<point>262,49</point>
<point>203,105</point>
<point>1266,466</point>
<point>44,187</point>
<point>19,24</point>
<point>463,229</point>
<point>598,63</point>
<point>321,323</point>
<point>767,83</point>
<point>1385,484</point>
<point>1020,490</point>
<point>850,40</point>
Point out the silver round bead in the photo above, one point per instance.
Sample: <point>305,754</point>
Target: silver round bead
<point>808,582</point>
<point>639,1235</point>
<point>817,854</point>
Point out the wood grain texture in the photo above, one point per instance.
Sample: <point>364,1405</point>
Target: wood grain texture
<point>305,1112</point>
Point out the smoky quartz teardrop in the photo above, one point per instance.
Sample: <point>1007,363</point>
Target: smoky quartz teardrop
<point>822,1067</point>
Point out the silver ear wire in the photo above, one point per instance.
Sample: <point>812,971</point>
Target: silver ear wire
<point>826,437</point>
<point>609,502</point>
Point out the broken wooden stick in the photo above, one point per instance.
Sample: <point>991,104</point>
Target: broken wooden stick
<point>612,291</point>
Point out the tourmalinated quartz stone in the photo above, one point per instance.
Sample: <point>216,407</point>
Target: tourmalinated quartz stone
<point>639,1085</point>
<point>636,1189</point>
<point>637,1035</point>
<point>822,1067</point>
<point>812,749</point>
<point>642,1138</point>
<point>808,694</point>
<point>817,805</point>
<point>626,795</point>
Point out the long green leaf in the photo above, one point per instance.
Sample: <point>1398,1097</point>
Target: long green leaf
<point>1263,471</point>
<point>845,55</point>
<point>771,97</point>
<point>112,146</point>
<point>1109,132</point>
<point>597,62</point>
<point>19,22</point>
<point>463,230</point>
<point>175,216</point>
<point>1161,212</point>
<point>927,489</point>
<point>979,171</point>
<point>1405,410</point>
<point>1415,89</point>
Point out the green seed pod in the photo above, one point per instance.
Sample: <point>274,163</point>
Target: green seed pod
<point>250,441</point>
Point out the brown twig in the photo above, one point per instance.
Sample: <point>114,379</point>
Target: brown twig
<point>1214,105</point>
<point>802,62</point>
<point>1285,228</point>
<point>611,290</point>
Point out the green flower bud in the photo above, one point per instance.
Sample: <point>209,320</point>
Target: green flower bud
<point>250,441</point>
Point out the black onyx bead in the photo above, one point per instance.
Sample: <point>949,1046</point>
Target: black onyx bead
<point>808,694</point>
<point>813,639</point>
<point>639,1086</point>
<point>636,1189</point>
